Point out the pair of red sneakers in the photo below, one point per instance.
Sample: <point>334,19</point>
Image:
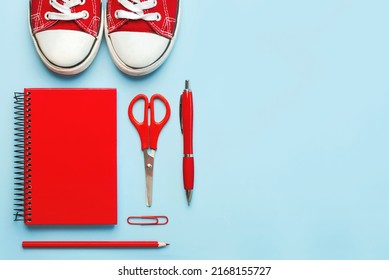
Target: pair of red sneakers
<point>139,33</point>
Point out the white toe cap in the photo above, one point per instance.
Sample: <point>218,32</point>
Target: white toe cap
<point>65,48</point>
<point>138,49</point>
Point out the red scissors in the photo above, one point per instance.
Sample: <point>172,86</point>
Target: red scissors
<point>148,133</point>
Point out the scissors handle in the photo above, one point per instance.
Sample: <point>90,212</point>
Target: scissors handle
<point>149,134</point>
<point>141,127</point>
<point>156,127</point>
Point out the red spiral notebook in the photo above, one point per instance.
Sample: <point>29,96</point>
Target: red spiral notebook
<point>66,156</point>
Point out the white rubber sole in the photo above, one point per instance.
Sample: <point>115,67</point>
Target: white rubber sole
<point>144,70</point>
<point>79,67</point>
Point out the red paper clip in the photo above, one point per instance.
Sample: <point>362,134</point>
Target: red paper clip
<point>153,220</point>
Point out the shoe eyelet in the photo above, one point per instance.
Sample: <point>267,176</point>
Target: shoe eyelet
<point>82,2</point>
<point>155,3</point>
<point>159,17</point>
<point>47,16</point>
<point>86,14</point>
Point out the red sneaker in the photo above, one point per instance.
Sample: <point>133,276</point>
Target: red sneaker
<point>140,33</point>
<point>66,33</point>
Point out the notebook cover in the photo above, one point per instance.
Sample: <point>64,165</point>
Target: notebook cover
<point>72,176</point>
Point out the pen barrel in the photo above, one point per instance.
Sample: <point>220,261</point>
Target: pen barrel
<point>188,172</point>
<point>187,121</point>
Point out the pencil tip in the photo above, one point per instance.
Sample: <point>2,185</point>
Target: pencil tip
<point>162,244</point>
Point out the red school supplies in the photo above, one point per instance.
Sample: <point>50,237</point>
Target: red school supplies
<point>148,132</point>
<point>93,244</point>
<point>68,156</point>
<point>186,119</point>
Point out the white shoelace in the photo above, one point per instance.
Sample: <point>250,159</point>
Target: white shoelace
<point>65,12</point>
<point>135,10</point>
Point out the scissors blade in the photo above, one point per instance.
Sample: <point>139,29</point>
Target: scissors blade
<point>149,167</point>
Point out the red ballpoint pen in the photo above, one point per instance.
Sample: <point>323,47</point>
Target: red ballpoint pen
<point>186,118</point>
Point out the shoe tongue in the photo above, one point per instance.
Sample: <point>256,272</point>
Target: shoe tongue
<point>63,1</point>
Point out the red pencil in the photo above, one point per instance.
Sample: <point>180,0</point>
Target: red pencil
<point>93,244</point>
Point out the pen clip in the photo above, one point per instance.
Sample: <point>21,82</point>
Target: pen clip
<point>182,130</point>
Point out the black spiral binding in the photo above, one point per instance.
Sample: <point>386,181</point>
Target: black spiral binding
<point>23,186</point>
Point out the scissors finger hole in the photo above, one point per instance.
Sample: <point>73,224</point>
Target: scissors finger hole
<point>138,110</point>
<point>159,110</point>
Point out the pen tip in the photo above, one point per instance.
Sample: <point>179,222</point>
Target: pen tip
<point>187,84</point>
<point>167,244</point>
<point>188,196</point>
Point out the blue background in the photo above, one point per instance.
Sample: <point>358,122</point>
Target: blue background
<point>291,134</point>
